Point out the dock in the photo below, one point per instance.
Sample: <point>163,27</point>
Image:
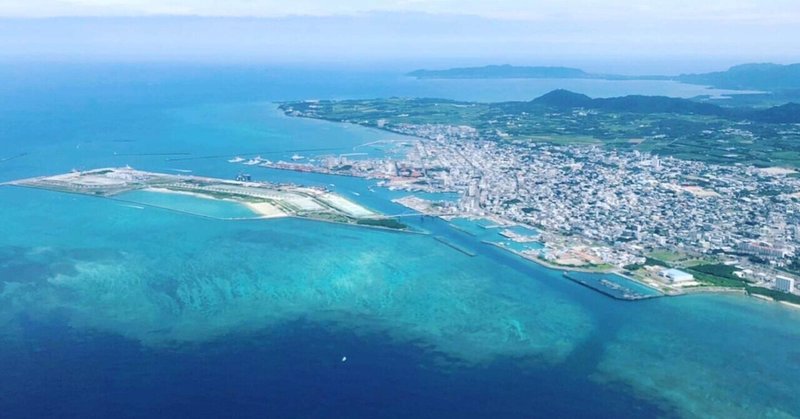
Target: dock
<point>614,286</point>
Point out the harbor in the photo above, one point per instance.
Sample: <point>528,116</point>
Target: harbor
<point>613,285</point>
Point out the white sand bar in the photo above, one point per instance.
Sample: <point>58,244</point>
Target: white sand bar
<point>265,209</point>
<point>346,206</point>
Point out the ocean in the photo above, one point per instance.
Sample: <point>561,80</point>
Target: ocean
<point>115,310</point>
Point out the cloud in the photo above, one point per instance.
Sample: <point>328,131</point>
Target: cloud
<point>536,10</point>
<point>516,31</point>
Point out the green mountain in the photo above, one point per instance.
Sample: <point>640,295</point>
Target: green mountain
<point>788,113</point>
<point>564,99</point>
<point>769,77</point>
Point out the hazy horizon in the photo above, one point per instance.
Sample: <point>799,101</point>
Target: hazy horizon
<point>405,40</point>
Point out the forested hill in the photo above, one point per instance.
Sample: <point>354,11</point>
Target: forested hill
<point>770,77</point>
<point>564,99</point>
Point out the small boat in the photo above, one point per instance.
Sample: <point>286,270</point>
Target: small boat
<point>252,162</point>
<point>356,193</point>
<point>236,159</point>
<point>297,157</point>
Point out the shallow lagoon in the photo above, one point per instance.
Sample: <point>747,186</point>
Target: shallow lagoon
<point>189,204</point>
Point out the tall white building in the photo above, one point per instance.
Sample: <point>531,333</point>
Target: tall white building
<point>784,284</point>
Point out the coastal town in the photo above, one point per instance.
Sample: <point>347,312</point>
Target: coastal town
<point>601,209</point>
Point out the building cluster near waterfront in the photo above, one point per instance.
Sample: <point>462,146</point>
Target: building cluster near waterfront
<point>597,205</point>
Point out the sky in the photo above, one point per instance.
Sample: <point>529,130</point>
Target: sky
<point>766,11</point>
<point>692,35</point>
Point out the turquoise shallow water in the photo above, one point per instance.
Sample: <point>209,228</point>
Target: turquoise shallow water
<point>188,204</point>
<point>108,309</point>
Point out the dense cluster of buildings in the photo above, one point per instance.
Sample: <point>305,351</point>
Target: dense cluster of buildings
<point>629,201</point>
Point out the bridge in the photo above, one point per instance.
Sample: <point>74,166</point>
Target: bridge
<point>406,215</point>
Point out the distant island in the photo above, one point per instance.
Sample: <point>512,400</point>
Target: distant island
<point>504,72</point>
<point>769,77</point>
<point>507,71</point>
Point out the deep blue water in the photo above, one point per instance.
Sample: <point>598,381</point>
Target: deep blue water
<point>292,371</point>
<point>113,311</point>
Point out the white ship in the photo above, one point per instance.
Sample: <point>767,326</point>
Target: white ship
<point>236,159</point>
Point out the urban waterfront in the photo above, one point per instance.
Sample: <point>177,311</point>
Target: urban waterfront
<point>103,305</point>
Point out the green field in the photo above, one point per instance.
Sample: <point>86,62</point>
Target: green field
<point>705,138</point>
<point>666,256</point>
<point>776,295</point>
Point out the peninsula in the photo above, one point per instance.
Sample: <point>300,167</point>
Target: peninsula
<point>265,200</point>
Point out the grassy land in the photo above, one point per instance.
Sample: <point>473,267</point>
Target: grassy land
<point>564,139</point>
<point>719,269</point>
<point>666,256</point>
<point>689,136</point>
<point>776,295</point>
<point>718,281</point>
<point>718,275</point>
<point>655,262</point>
<point>382,222</point>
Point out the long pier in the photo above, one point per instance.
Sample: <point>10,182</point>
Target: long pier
<point>454,246</point>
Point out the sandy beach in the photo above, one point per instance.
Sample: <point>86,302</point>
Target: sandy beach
<point>265,209</point>
<point>174,192</point>
<point>262,209</point>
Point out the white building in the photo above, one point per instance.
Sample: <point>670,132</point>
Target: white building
<point>784,284</point>
<point>676,276</point>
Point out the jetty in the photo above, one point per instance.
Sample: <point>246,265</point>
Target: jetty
<point>614,286</point>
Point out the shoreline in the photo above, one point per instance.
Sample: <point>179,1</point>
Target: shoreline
<point>263,210</point>
<point>669,292</point>
<point>566,269</point>
<point>546,264</point>
<point>258,213</point>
